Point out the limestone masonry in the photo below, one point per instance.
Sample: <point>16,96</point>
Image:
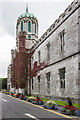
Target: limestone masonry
<point>49,66</point>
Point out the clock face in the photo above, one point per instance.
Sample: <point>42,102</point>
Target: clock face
<point>29,36</point>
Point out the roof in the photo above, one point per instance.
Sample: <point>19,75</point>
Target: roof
<point>27,14</point>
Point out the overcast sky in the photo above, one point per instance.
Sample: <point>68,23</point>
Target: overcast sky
<point>46,13</point>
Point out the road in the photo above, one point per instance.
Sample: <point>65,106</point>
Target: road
<point>14,108</point>
<point>0,106</point>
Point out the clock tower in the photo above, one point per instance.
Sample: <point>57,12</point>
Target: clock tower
<point>28,23</point>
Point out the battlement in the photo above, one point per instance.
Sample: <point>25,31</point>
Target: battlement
<point>69,10</point>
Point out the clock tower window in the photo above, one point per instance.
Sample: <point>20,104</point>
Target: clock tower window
<point>29,26</point>
<point>21,26</point>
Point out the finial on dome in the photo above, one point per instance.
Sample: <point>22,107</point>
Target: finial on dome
<point>27,7</point>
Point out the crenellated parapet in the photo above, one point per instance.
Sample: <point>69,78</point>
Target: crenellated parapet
<point>69,10</point>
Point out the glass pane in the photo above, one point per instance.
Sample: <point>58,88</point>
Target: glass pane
<point>29,36</point>
<point>29,26</point>
<point>21,26</point>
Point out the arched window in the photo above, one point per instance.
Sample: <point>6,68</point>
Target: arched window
<point>29,26</point>
<point>35,27</point>
<point>21,26</point>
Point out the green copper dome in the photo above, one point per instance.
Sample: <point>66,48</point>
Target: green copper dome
<point>27,14</point>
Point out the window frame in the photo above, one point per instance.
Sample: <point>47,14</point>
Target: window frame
<point>62,40</point>
<point>21,26</point>
<point>32,83</point>
<point>39,57</point>
<point>48,51</point>
<point>29,26</point>
<point>32,59</point>
<point>62,72</point>
<point>48,82</point>
<point>39,83</point>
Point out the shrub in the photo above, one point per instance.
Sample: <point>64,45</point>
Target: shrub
<point>12,94</point>
<point>7,93</point>
<point>70,110</point>
<point>30,99</point>
<point>50,105</point>
<point>37,101</point>
<point>22,97</point>
<point>17,96</point>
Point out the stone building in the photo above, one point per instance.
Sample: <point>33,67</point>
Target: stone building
<point>55,63</point>
<point>26,36</point>
<point>59,48</point>
<point>9,78</point>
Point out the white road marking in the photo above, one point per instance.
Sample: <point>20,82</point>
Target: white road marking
<point>31,116</point>
<point>74,117</point>
<point>4,100</point>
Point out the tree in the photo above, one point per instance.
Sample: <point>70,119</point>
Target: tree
<point>1,83</point>
<point>4,83</point>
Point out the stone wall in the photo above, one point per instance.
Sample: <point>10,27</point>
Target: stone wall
<point>71,76</point>
<point>58,59</point>
<point>9,77</point>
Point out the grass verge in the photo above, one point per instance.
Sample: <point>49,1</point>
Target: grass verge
<point>62,103</point>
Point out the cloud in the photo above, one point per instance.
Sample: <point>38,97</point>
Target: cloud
<point>36,1</point>
<point>47,11</point>
<point>7,42</point>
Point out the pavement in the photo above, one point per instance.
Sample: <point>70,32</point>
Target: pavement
<point>15,109</point>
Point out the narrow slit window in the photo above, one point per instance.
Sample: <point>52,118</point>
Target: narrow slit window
<point>21,26</point>
<point>35,27</point>
<point>29,26</point>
